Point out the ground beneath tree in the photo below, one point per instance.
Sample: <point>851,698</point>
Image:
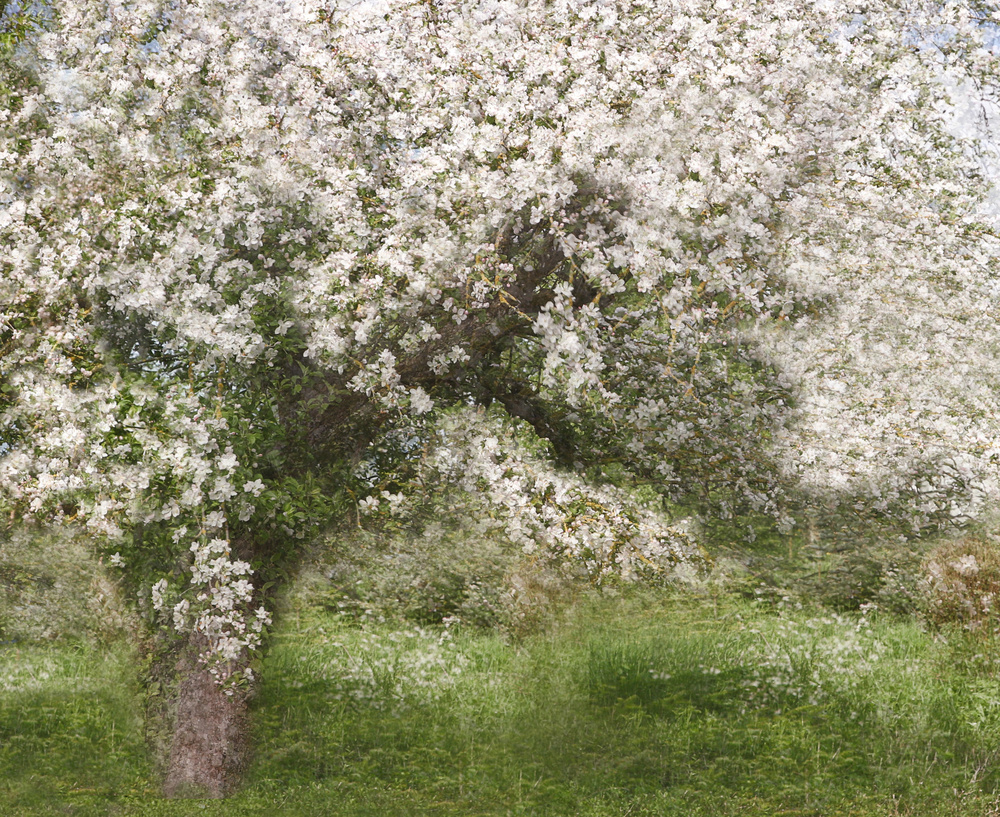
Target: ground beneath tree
<point>652,704</point>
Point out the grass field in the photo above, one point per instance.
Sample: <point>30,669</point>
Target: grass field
<point>643,704</point>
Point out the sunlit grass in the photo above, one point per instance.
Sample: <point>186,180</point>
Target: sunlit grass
<point>645,704</point>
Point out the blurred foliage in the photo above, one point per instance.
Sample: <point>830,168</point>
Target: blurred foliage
<point>448,572</point>
<point>53,586</point>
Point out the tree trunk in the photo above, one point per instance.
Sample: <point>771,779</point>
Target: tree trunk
<point>210,745</point>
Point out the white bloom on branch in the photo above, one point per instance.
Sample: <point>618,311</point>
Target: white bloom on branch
<point>156,594</point>
<point>420,401</point>
<point>255,487</point>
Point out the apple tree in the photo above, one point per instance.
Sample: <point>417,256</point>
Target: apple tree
<point>729,248</point>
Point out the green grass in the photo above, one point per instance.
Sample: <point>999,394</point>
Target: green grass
<point>640,705</point>
<point>70,733</point>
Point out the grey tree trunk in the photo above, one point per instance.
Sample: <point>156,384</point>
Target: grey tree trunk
<point>210,746</point>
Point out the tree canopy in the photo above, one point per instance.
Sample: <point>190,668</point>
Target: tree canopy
<point>257,257</point>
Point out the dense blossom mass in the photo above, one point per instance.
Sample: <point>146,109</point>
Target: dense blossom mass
<point>729,247</point>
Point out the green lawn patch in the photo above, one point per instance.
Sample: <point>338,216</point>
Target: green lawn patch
<point>644,704</point>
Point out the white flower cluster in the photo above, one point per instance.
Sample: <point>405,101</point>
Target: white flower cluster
<point>218,610</point>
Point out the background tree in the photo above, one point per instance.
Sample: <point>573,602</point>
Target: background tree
<point>244,245</point>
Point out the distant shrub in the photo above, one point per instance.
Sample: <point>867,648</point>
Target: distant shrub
<point>961,584</point>
<point>451,572</point>
<point>443,574</point>
<point>53,586</point>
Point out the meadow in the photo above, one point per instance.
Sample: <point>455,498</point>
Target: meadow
<point>626,702</point>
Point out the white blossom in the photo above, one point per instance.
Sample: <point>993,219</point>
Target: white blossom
<point>736,244</point>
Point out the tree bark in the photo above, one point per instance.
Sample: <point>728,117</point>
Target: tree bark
<point>210,746</point>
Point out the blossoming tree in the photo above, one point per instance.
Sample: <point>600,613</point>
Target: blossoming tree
<point>725,246</point>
